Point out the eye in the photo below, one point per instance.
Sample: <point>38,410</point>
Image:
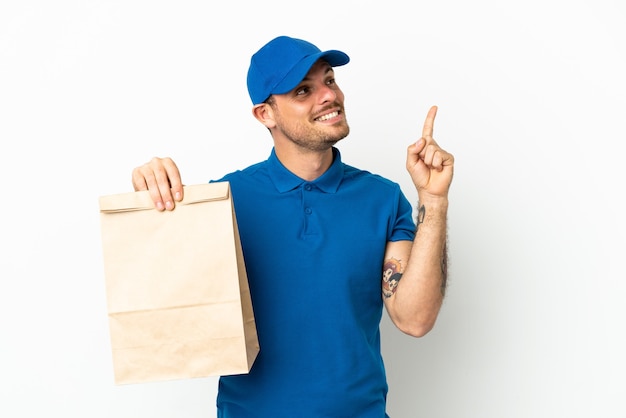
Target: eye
<point>331,81</point>
<point>300,91</point>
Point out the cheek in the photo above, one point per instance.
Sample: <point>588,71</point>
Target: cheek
<point>296,112</point>
<point>339,95</point>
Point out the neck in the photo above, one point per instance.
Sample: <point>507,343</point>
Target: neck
<point>306,164</point>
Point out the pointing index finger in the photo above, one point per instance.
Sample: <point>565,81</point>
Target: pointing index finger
<point>429,124</point>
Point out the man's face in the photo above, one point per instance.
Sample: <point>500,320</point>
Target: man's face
<point>312,114</point>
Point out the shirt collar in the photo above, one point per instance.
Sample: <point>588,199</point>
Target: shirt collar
<point>284,180</point>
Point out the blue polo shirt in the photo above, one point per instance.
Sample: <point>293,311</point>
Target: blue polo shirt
<point>314,253</point>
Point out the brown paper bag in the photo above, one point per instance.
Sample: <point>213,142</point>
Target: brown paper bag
<point>178,300</point>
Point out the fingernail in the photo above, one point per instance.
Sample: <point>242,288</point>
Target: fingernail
<point>160,206</point>
<point>177,197</point>
<point>169,205</point>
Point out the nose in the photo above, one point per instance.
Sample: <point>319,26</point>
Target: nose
<point>327,94</point>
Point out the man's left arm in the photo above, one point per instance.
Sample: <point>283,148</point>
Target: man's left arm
<point>415,273</point>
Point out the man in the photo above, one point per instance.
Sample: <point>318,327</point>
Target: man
<point>326,245</point>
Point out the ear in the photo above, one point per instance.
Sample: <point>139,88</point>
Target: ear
<point>265,114</point>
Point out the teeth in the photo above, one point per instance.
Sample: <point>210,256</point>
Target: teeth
<point>328,116</point>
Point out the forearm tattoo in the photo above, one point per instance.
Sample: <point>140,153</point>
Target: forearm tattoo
<point>421,214</point>
<point>392,273</point>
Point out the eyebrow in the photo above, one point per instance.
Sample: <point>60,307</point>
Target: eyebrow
<point>328,70</point>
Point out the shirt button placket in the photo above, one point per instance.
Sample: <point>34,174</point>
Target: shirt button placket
<point>307,210</point>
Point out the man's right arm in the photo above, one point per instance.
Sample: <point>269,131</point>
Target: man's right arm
<point>160,176</point>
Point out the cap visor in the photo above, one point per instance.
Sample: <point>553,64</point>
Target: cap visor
<point>299,71</point>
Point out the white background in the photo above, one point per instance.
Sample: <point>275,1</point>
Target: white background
<point>532,102</point>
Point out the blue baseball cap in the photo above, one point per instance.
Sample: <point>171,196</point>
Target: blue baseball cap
<point>282,63</point>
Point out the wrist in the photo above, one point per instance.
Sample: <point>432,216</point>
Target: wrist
<point>431,201</point>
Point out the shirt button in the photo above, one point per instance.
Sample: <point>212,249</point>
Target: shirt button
<point>308,187</point>
<point>307,211</point>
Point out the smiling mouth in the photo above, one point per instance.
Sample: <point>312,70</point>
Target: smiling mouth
<point>327,116</point>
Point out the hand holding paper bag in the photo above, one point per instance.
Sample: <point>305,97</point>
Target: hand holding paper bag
<point>178,300</point>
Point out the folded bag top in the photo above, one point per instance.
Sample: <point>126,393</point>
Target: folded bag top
<point>141,200</point>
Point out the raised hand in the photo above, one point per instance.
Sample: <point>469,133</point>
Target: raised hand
<point>431,168</point>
